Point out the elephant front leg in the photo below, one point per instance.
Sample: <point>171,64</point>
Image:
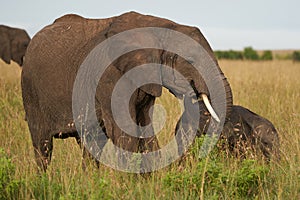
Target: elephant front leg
<point>148,142</point>
<point>87,158</point>
<point>144,111</point>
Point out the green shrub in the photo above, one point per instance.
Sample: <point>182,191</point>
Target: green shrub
<point>267,55</point>
<point>250,54</point>
<point>231,54</point>
<point>9,186</point>
<point>248,178</point>
<point>220,180</point>
<point>296,56</point>
<point>44,188</point>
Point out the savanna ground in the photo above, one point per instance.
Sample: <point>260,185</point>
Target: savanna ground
<point>270,89</point>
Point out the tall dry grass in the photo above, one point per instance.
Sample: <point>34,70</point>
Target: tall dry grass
<point>270,89</point>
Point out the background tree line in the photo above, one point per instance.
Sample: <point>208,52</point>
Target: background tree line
<point>250,54</point>
<point>296,56</point>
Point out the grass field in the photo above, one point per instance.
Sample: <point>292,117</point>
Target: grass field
<point>270,89</point>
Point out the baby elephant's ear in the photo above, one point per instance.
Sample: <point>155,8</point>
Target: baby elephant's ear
<point>5,51</point>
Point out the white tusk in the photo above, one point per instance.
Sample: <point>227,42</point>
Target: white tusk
<point>209,107</point>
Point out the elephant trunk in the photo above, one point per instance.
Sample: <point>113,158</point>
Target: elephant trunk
<point>186,78</point>
<point>227,104</point>
<point>229,99</point>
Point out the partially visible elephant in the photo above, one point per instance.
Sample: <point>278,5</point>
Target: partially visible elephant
<point>244,132</point>
<point>247,131</point>
<point>13,44</point>
<point>53,59</point>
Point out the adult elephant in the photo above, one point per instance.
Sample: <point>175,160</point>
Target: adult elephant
<point>13,44</point>
<point>56,53</point>
<point>244,132</point>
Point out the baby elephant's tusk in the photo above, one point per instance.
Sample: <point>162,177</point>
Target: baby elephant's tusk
<point>209,107</point>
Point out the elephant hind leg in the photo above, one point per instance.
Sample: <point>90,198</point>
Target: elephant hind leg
<point>43,151</point>
<point>38,126</point>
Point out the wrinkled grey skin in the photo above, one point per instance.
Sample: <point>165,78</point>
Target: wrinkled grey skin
<point>13,44</point>
<point>53,58</point>
<point>243,131</point>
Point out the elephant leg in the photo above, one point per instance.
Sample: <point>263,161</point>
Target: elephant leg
<point>87,158</point>
<point>188,127</point>
<point>43,147</point>
<point>144,112</point>
<point>42,140</point>
<point>39,127</point>
<point>183,135</point>
<point>150,143</point>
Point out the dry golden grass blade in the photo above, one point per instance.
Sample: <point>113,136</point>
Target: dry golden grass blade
<point>10,72</point>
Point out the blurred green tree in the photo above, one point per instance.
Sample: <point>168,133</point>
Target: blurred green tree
<point>267,55</point>
<point>296,56</point>
<point>250,54</point>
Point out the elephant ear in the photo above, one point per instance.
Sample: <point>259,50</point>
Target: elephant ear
<point>5,49</point>
<point>141,61</point>
<point>140,56</point>
<point>135,59</point>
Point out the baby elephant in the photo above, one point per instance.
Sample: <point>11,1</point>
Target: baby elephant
<point>244,131</point>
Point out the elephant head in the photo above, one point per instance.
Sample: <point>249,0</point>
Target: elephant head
<point>13,44</point>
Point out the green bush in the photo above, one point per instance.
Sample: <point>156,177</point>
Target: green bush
<point>231,54</point>
<point>267,55</point>
<point>250,54</point>
<point>219,180</point>
<point>9,186</point>
<point>44,188</point>
<point>296,56</point>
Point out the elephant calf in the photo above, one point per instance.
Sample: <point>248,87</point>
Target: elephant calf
<point>244,131</point>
